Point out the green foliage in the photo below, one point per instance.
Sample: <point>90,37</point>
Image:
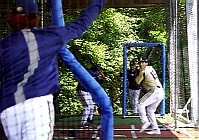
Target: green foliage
<point>103,43</point>
<point>67,96</point>
<point>152,24</point>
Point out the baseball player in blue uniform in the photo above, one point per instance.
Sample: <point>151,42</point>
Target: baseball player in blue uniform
<point>152,98</point>
<point>28,69</point>
<point>85,96</point>
<point>133,87</point>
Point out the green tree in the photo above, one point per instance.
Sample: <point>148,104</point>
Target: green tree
<point>103,43</point>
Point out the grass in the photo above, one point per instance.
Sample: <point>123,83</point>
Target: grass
<point>120,120</point>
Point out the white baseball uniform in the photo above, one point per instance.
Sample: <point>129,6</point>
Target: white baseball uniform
<point>150,101</point>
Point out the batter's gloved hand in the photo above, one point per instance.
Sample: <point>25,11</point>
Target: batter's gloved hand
<point>101,74</point>
<point>142,72</point>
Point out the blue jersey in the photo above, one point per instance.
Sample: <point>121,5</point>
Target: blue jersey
<point>28,65</point>
<point>131,75</point>
<point>95,75</point>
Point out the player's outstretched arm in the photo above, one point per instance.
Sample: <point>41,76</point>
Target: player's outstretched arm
<point>86,18</point>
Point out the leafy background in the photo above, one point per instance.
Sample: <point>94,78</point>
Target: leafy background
<point>103,43</point>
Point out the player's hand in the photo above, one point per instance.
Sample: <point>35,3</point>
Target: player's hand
<point>142,71</point>
<point>101,74</point>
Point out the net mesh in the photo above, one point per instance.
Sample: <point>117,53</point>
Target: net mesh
<point>183,76</point>
<point>192,29</point>
<point>177,55</point>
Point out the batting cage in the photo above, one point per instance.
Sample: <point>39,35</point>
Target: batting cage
<point>157,49</point>
<point>176,64</point>
<point>183,61</point>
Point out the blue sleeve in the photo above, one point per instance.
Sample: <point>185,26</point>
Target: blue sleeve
<point>128,75</point>
<point>83,22</point>
<point>93,73</point>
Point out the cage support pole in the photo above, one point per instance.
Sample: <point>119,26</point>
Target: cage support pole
<point>81,74</point>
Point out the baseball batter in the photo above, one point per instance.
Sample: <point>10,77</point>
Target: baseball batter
<point>154,95</point>
<point>85,96</point>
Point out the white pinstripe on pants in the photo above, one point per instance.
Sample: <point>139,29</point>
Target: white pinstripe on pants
<point>148,105</point>
<point>88,105</point>
<point>30,120</point>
